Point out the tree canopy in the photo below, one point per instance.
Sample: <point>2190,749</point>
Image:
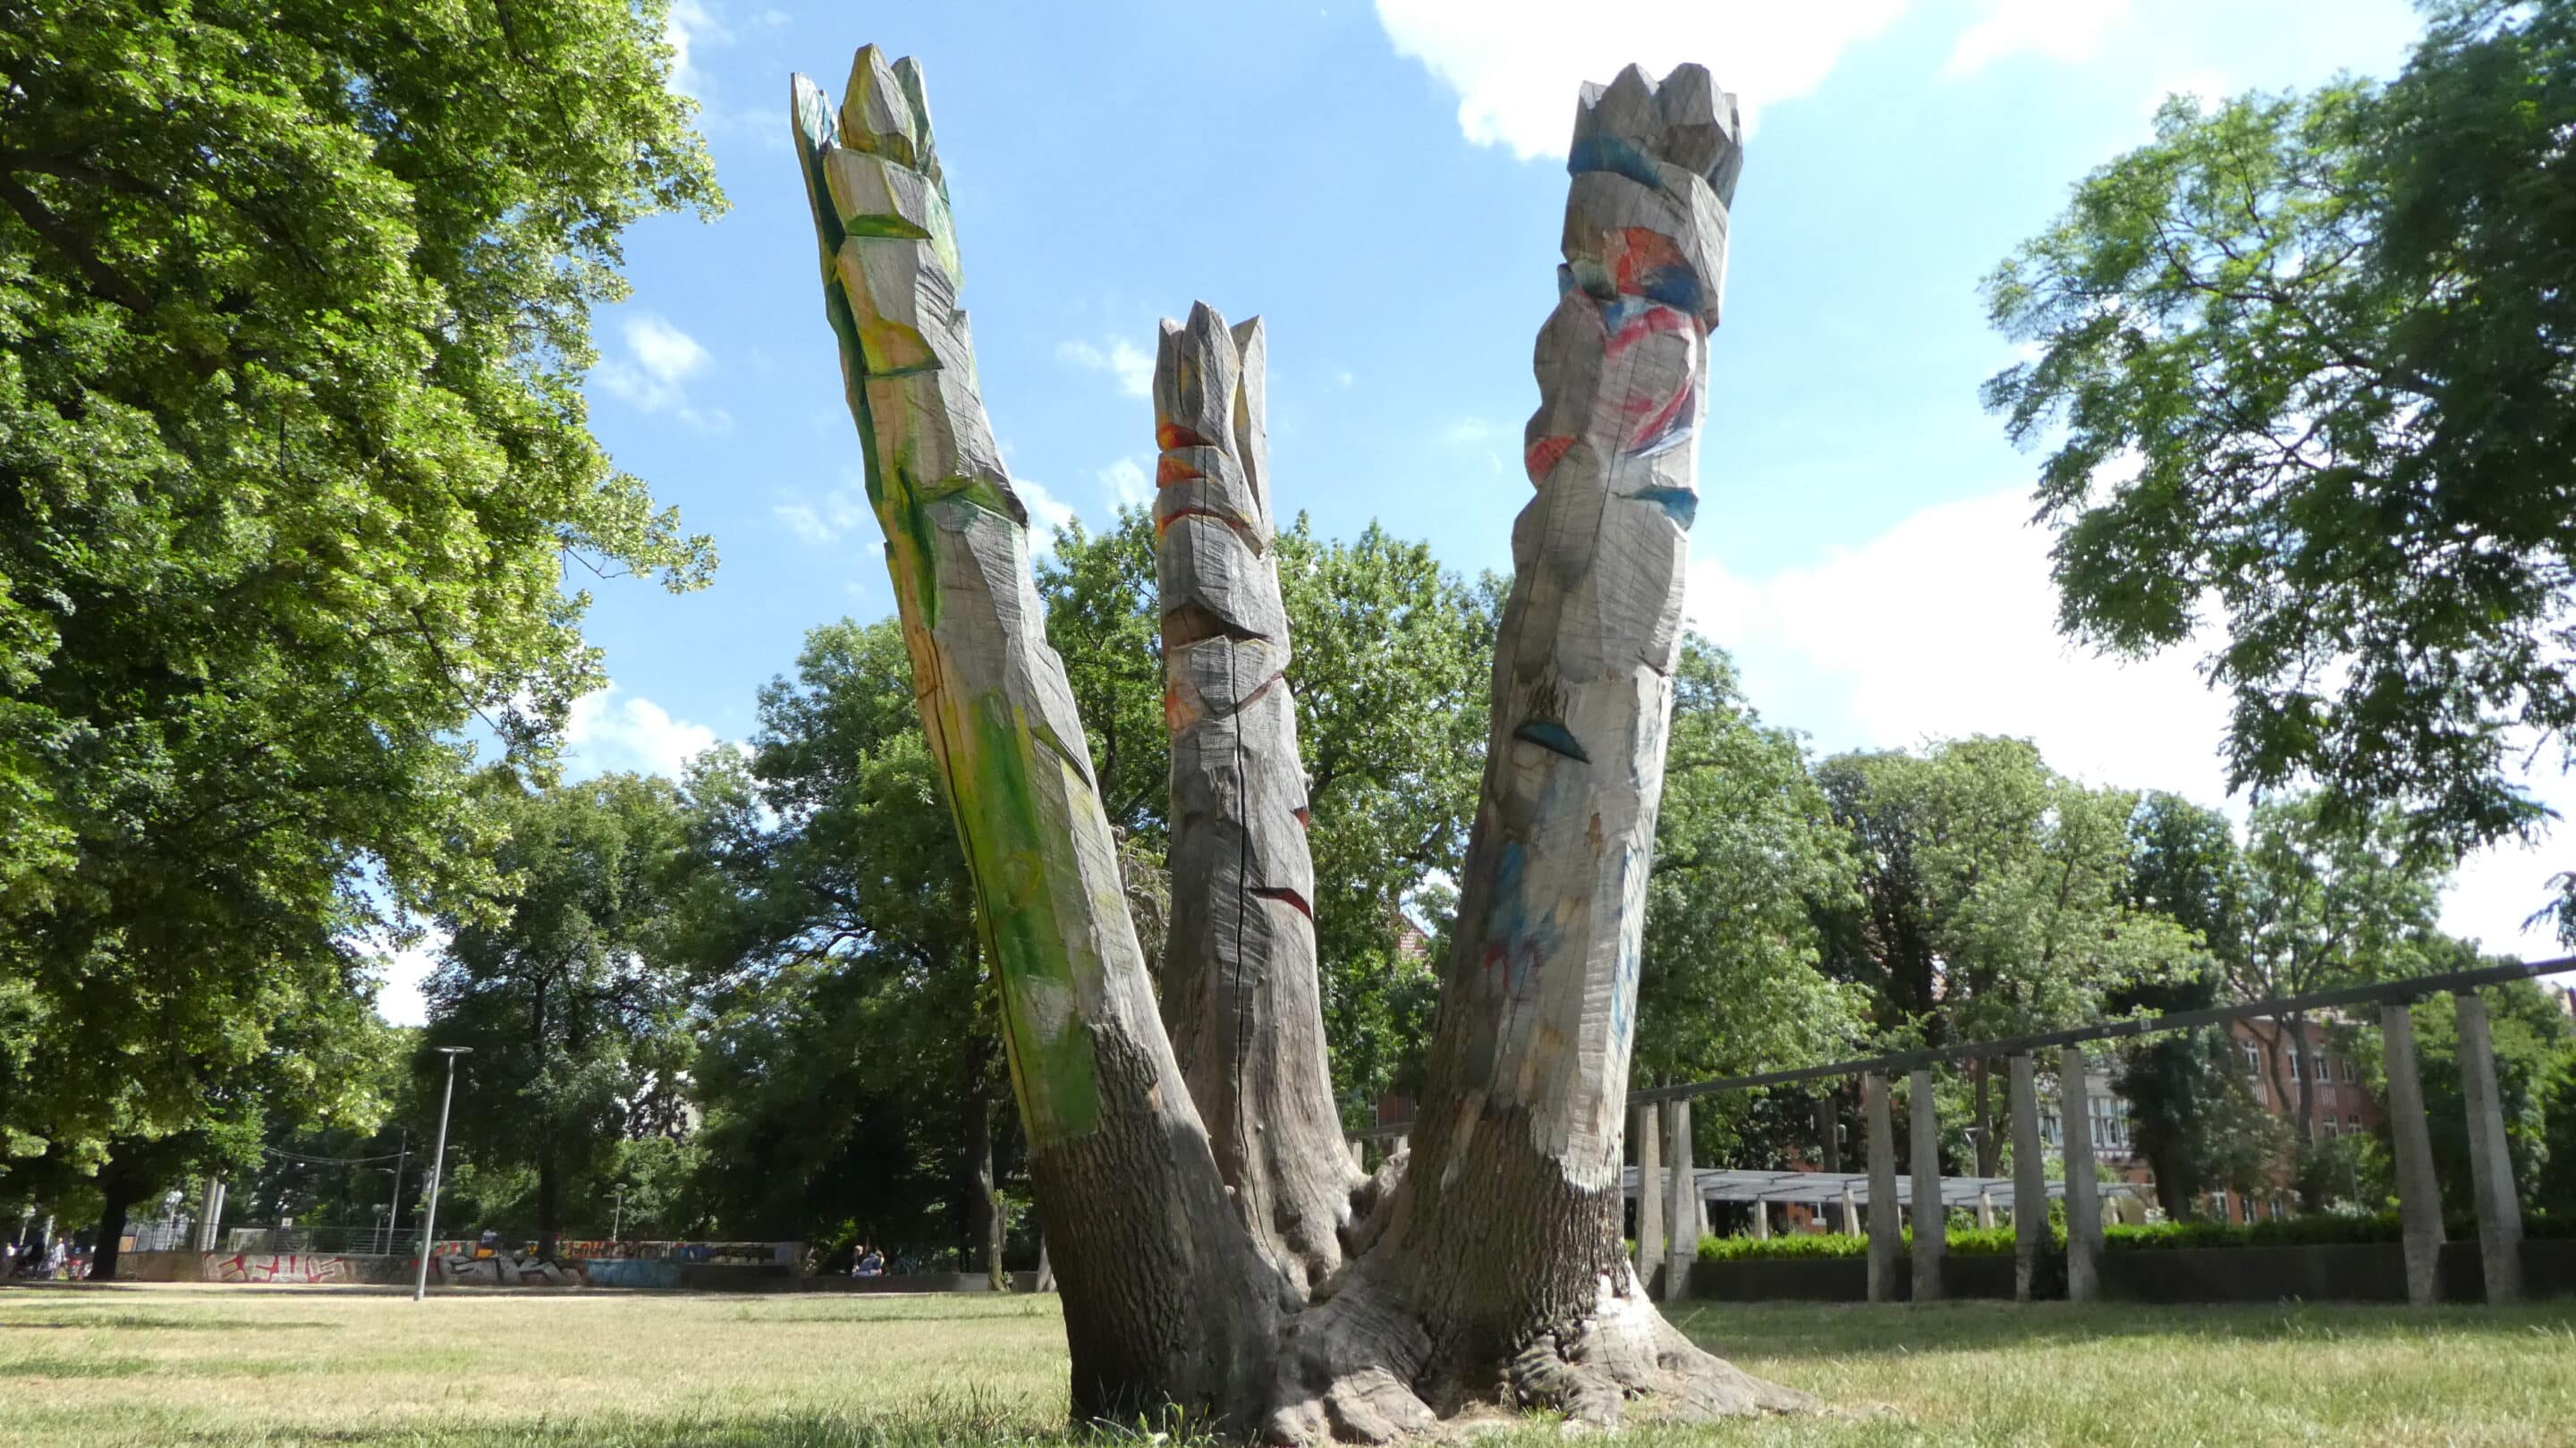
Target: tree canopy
<point>2307,364</point>
<point>292,459</point>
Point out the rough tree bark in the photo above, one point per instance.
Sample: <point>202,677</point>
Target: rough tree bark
<point>1239,988</point>
<point>1164,1299</point>
<point>1217,1254</point>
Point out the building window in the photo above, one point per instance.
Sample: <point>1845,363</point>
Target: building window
<point>2347,1070</point>
<point>2294,1054</point>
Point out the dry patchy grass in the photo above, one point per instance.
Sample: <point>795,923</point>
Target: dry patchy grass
<point>234,1368</point>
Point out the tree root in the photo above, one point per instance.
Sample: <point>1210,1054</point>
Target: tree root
<point>1626,1354</point>
<point>1356,1369</point>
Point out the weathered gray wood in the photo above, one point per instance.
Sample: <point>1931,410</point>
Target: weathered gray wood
<point>2030,1179</point>
<point>1851,1212</point>
<point>1240,995</point>
<point>1985,1209</point>
<point>1649,1135</point>
<point>1762,1221</point>
<point>1682,1211</point>
<point>1165,1299</point>
<point>1884,1233</point>
<point>2491,1186</point>
<point>2083,1192</point>
<point>1519,1135</point>
<point>2419,1194</point>
<point>1931,1219</point>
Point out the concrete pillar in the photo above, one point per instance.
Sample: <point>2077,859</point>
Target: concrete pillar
<point>2083,1193</point>
<point>1883,1231</point>
<point>2030,1180</point>
<point>1402,1144</point>
<point>1985,1209</point>
<point>2490,1163</point>
<point>1682,1211</point>
<point>1650,1193</point>
<point>1683,1207</point>
<point>1762,1221</point>
<point>1851,1211</point>
<point>209,1205</point>
<point>2419,1196</point>
<point>1353,1147</point>
<point>1829,1145</point>
<point>1931,1218</point>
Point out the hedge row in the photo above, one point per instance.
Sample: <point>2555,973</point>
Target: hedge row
<point>2324,1229</point>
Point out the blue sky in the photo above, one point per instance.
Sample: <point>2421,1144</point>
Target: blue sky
<point>1384,184</point>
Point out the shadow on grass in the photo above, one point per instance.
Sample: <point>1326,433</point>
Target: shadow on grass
<point>83,1320</point>
<point>1809,1330</point>
<point>946,1427</point>
<point>74,1367</point>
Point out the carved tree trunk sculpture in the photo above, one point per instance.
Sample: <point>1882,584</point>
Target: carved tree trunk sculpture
<point>1216,1250</point>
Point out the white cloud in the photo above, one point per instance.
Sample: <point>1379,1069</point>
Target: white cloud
<point>2056,29</point>
<point>688,25</point>
<point>1516,64</point>
<point>653,376</point>
<point>1047,512</point>
<point>2498,887</point>
<point>398,998</point>
<point>825,518</point>
<point>1123,360</point>
<point>1945,625</point>
<point>1129,485</point>
<point>608,733</point>
<point>1344,377</point>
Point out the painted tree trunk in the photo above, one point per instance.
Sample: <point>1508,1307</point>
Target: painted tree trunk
<point>1481,1268</point>
<point>1239,988</point>
<point>1164,1300</point>
<point>1499,1277</point>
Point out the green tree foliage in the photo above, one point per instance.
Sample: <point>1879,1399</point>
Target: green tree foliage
<point>1993,901</point>
<point>566,985</point>
<point>293,309</point>
<point>2327,902</point>
<point>1994,891</point>
<point>1390,669</point>
<point>2187,1097</point>
<point>849,1066</point>
<point>1746,851</point>
<point>2335,335</point>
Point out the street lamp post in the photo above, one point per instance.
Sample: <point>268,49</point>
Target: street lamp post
<point>618,1221</point>
<point>437,1171</point>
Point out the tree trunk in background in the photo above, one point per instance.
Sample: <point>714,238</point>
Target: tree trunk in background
<point>1165,1301</point>
<point>117,1188</point>
<point>1829,1135</point>
<point>1481,1268</point>
<point>1990,1152</point>
<point>985,1209</point>
<point>549,1198</point>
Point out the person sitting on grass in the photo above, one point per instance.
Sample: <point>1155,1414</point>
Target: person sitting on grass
<point>869,1262</point>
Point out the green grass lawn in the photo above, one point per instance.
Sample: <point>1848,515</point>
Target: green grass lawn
<point>233,1367</point>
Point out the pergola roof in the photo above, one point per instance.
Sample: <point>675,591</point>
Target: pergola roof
<point>1818,1187</point>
